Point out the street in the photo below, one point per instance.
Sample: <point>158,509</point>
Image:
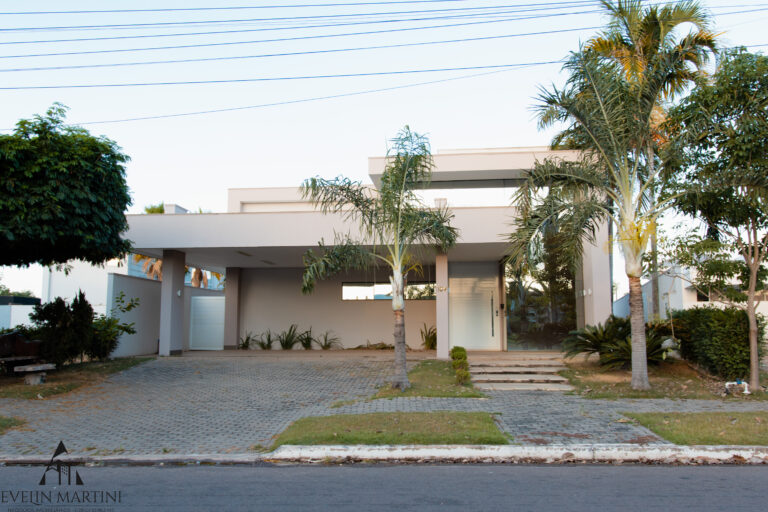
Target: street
<point>409,487</point>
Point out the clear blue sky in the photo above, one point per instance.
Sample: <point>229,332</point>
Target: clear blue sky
<point>192,160</point>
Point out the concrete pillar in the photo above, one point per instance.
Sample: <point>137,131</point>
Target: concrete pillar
<point>593,282</point>
<point>232,308</point>
<point>441,305</point>
<point>172,304</point>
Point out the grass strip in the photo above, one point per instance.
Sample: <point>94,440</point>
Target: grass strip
<point>66,379</point>
<point>671,379</point>
<point>707,428</point>
<point>394,428</point>
<point>6,423</point>
<point>435,379</point>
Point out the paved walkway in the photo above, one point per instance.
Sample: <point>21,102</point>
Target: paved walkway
<point>220,404</point>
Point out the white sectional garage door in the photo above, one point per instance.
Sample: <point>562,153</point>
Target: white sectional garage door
<point>206,323</point>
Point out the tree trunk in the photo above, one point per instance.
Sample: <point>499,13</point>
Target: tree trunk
<point>754,358</point>
<point>656,307</point>
<point>401,372</point>
<point>637,320</point>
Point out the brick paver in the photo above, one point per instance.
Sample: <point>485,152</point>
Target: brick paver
<point>229,404</point>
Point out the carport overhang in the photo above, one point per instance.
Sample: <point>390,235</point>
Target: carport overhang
<point>230,242</point>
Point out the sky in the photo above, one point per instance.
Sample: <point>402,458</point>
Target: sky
<point>275,126</point>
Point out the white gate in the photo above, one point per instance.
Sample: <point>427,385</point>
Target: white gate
<point>206,323</point>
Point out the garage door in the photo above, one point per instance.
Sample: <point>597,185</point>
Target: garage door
<point>206,323</point>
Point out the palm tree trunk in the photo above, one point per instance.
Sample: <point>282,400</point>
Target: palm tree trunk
<point>401,372</point>
<point>655,306</point>
<point>637,321</point>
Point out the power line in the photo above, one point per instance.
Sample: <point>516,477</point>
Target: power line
<point>229,8</point>
<point>250,7</point>
<point>274,40</point>
<point>306,100</point>
<point>240,31</point>
<point>269,79</point>
<point>298,53</point>
<point>479,11</point>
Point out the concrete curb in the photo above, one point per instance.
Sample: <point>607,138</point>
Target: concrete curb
<point>582,453</point>
<point>473,454</point>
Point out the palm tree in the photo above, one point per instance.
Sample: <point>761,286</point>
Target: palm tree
<point>393,224</point>
<point>644,42</point>
<point>610,183</point>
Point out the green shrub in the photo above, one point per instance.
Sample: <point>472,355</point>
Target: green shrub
<point>108,329</point>
<point>328,341</point>
<point>716,339</point>
<point>246,341</point>
<point>65,330</point>
<point>429,337</point>
<point>460,364</point>
<point>458,353</point>
<point>306,340</point>
<point>462,377</point>
<point>618,352</point>
<point>592,338</point>
<point>288,339</point>
<point>266,340</point>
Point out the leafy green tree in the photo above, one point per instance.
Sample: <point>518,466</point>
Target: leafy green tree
<point>644,41</point>
<point>720,139</point>
<point>610,183</point>
<point>62,194</point>
<point>391,218</point>
<point>7,292</point>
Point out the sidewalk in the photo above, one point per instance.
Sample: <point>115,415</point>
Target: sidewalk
<point>219,406</point>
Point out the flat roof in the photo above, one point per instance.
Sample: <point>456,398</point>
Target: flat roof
<point>479,168</point>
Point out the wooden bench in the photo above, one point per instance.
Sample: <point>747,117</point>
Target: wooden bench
<point>35,373</point>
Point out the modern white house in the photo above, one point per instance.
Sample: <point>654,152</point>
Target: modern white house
<point>259,243</point>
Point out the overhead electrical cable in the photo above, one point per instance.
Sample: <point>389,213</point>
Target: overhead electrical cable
<point>271,79</point>
<point>478,11</point>
<point>291,54</point>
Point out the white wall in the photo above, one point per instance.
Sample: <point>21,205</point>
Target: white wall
<point>146,317</point>
<point>91,279</point>
<point>272,299</point>
<point>12,315</point>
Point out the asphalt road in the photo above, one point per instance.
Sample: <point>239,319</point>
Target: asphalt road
<point>467,488</point>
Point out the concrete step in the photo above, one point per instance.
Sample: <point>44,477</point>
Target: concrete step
<point>525,364</point>
<point>519,377</point>
<point>515,369</point>
<point>523,386</point>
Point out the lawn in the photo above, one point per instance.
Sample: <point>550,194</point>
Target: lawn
<point>6,423</point>
<point>68,378</point>
<point>395,428</point>
<point>687,428</point>
<point>431,379</point>
<point>670,379</point>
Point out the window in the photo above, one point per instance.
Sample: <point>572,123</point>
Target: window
<point>383,291</point>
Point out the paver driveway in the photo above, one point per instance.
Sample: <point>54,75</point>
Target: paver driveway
<point>228,404</point>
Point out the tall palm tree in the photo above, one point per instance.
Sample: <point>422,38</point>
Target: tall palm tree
<point>393,223</point>
<point>610,183</point>
<point>644,41</point>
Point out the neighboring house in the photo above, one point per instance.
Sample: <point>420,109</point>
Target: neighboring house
<point>259,242</point>
<point>15,311</point>
<point>674,293</point>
